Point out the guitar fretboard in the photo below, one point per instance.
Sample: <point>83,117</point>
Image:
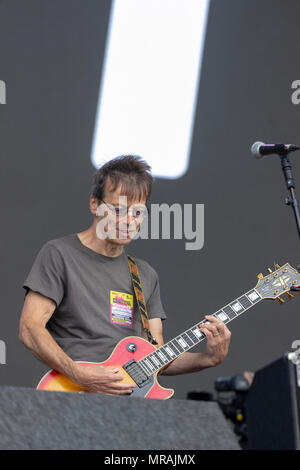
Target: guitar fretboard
<point>162,356</point>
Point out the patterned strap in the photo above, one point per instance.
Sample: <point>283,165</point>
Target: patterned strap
<point>139,294</point>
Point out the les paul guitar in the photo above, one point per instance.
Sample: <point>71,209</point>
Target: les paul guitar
<point>139,361</point>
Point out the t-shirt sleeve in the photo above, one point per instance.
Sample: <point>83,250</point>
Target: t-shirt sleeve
<point>47,274</point>
<point>154,304</point>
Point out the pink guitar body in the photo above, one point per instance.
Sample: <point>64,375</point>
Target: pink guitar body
<point>131,348</point>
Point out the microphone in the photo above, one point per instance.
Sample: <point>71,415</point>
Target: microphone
<point>259,149</point>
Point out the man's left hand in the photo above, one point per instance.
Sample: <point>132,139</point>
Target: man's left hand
<point>218,339</point>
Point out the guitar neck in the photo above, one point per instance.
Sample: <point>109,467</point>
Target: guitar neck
<point>162,356</point>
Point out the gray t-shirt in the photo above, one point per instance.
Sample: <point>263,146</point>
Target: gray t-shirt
<point>96,305</point>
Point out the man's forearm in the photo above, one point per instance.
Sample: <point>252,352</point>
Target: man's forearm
<point>188,363</point>
<point>218,340</point>
<point>44,347</point>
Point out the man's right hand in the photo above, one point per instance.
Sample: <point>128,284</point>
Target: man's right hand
<point>37,311</point>
<point>101,379</point>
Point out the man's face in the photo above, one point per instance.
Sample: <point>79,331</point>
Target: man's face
<point>119,217</point>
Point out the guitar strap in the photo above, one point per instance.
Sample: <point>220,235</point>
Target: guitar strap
<point>140,299</point>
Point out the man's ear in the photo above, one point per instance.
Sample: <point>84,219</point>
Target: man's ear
<point>94,203</point>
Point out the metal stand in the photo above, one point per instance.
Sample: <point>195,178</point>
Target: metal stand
<point>288,176</point>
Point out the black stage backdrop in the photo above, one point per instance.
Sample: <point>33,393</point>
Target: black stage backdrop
<point>51,67</point>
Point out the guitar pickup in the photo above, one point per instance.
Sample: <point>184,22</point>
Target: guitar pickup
<point>137,374</point>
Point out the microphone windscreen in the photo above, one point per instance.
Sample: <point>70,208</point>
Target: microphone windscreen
<point>255,149</point>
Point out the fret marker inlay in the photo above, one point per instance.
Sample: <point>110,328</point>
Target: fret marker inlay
<point>222,316</point>
<point>169,351</point>
<point>197,332</point>
<point>253,296</point>
<point>237,307</point>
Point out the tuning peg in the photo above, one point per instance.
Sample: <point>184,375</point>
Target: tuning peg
<point>260,275</point>
<point>290,296</point>
<point>277,266</point>
<point>280,300</point>
<point>270,270</point>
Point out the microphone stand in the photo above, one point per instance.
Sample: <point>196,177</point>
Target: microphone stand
<point>288,177</point>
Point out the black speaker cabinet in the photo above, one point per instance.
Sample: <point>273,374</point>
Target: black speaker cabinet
<point>32,419</point>
<point>272,406</point>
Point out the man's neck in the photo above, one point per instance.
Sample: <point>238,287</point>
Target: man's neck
<point>103,247</point>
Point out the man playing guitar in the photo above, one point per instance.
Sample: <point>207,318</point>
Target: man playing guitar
<point>79,297</point>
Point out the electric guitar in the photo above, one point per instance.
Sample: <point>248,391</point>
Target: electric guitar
<point>139,361</point>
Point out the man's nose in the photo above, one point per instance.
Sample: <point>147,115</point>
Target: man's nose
<point>130,218</point>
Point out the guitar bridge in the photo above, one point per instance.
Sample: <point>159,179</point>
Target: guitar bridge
<point>137,374</point>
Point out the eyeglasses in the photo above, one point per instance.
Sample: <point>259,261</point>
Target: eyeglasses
<point>137,212</point>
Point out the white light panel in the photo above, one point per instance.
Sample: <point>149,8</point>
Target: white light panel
<point>148,91</point>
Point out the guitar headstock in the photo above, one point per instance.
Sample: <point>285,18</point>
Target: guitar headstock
<point>278,282</point>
